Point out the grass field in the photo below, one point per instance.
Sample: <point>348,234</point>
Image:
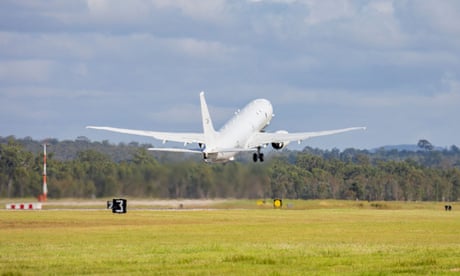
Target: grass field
<point>310,237</point>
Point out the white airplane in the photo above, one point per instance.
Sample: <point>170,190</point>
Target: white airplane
<point>244,132</point>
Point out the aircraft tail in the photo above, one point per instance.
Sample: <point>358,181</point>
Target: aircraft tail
<point>208,128</point>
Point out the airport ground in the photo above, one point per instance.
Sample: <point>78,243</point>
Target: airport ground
<point>235,237</point>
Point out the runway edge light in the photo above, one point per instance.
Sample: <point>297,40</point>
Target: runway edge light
<point>277,203</point>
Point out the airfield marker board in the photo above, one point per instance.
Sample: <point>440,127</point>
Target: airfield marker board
<point>119,205</point>
<point>24,206</point>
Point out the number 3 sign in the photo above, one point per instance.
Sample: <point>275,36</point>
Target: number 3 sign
<point>118,205</point>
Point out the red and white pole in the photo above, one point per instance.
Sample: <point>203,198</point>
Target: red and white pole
<point>45,188</point>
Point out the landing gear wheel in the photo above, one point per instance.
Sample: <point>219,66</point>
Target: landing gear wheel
<point>258,156</point>
<point>254,157</point>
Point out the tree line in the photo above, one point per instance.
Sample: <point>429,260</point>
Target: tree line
<point>85,169</point>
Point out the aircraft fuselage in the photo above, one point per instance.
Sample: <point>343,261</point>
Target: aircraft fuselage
<point>236,133</point>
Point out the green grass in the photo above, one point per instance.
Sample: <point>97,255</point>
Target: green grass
<point>311,237</point>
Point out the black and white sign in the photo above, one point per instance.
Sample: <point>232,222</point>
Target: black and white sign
<point>119,205</point>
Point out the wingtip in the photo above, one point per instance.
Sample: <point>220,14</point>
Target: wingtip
<point>94,127</point>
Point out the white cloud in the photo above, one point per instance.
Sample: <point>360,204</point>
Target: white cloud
<point>177,114</point>
<point>81,69</point>
<point>136,11</point>
<point>207,10</point>
<point>383,7</point>
<point>320,59</point>
<point>31,70</point>
<point>201,49</point>
<point>33,93</point>
<point>102,46</point>
<point>119,10</point>
<point>430,24</point>
<point>47,45</point>
<point>321,12</point>
<point>449,96</point>
<point>440,16</point>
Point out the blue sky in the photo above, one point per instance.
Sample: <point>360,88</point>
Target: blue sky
<point>393,66</point>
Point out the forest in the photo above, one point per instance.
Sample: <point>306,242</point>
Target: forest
<point>85,169</point>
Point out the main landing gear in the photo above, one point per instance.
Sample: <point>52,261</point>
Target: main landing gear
<point>258,156</point>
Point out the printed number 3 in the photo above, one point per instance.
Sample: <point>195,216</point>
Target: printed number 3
<point>120,205</point>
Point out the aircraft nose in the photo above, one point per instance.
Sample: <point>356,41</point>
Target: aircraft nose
<point>264,105</point>
<point>268,107</point>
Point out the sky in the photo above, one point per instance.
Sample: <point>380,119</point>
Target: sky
<point>392,66</point>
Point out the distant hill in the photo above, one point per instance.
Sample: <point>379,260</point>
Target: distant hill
<point>404,147</point>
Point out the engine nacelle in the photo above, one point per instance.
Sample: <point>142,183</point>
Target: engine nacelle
<point>280,145</point>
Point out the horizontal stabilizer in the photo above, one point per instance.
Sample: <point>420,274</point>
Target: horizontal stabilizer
<point>236,149</point>
<point>176,150</point>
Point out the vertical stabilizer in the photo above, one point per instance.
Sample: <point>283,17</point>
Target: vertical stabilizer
<point>208,128</point>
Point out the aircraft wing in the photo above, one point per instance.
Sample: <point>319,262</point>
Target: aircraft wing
<point>183,137</point>
<point>202,150</point>
<point>263,138</point>
<point>177,150</point>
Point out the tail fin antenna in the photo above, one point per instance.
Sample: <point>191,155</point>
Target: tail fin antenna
<point>208,128</point>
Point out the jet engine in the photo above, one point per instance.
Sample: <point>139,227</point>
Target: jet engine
<point>280,145</point>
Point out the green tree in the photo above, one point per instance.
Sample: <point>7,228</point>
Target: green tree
<point>16,165</point>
